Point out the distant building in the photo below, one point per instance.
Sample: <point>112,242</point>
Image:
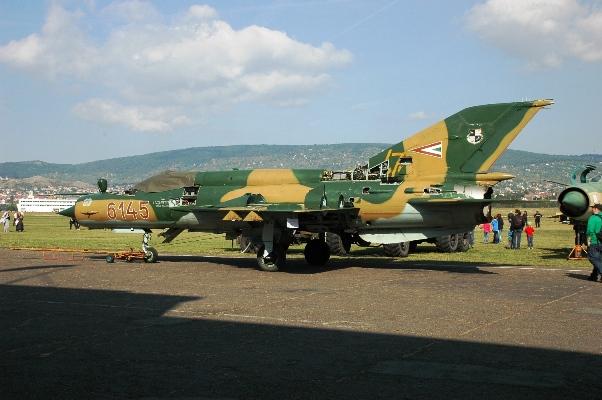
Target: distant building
<point>43,204</point>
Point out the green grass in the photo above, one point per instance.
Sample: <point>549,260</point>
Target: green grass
<point>553,242</point>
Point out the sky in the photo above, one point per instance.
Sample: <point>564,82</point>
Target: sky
<point>89,80</point>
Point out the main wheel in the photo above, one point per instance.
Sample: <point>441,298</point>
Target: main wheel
<point>397,249</point>
<point>151,255</point>
<point>246,246</point>
<point>110,258</point>
<point>272,261</point>
<point>338,245</point>
<point>317,252</point>
<point>463,243</point>
<point>447,243</point>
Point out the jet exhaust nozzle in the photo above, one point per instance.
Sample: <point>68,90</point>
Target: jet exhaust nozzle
<point>573,202</point>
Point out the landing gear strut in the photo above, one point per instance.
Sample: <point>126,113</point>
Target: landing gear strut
<point>150,253</point>
<point>270,255</point>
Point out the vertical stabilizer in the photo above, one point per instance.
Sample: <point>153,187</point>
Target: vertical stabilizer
<point>467,142</point>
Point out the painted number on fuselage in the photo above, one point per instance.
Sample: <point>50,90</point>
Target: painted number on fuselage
<point>128,210</point>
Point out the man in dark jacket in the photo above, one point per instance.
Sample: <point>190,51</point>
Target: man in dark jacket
<point>537,217</point>
<point>516,224</point>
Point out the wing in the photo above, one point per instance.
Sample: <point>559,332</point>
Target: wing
<point>291,215</point>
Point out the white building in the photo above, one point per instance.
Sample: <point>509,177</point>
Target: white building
<point>41,204</point>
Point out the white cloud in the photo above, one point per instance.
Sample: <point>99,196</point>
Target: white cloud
<point>61,49</point>
<point>143,119</point>
<point>201,12</point>
<point>191,64</point>
<point>418,115</point>
<point>131,11</point>
<point>542,32</point>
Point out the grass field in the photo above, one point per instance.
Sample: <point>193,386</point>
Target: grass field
<point>553,242</point>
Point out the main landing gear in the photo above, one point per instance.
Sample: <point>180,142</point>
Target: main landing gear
<point>272,252</point>
<point>317,252</point>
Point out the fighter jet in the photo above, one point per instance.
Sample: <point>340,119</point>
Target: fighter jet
<point>434,185</point>
<point>575,201</point>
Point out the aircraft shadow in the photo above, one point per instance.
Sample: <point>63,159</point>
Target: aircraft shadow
<point>79,343</point>
<point>297,265</point>
<point>34,267</point>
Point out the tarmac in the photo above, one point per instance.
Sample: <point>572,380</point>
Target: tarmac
<point>73,326</point>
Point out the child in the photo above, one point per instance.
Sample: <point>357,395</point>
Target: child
<point>486,230</point>
<point>510,235</point>
<point>529,231</point>
<point>495,230</point>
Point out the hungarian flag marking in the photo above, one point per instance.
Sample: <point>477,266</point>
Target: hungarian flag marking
<point>433,149</point>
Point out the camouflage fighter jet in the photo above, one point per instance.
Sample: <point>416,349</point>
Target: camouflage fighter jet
<point>435,184</point>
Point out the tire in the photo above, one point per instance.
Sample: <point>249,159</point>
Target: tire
<point>110,258</point>
<point>245,244</point>
<point>413,245</point>
<point>397,249</point>
<point>360,242</point>
<point>273,262</point>
<point>447,243</point>
<point>338,245</point>
<point>317,253</point>
<point>463,244</point>
<point>151,255</point>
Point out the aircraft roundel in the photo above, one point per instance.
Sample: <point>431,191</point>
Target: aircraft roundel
<point>475,136</point>
<point>432,149</point>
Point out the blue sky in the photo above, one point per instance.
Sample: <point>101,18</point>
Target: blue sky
<point>88,80</point>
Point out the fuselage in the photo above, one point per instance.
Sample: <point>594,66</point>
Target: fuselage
<point>382,206</point>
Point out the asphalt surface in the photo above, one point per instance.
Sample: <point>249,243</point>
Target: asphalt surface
<point>216,328</point>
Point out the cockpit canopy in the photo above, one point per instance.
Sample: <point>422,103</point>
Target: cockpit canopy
<point>166,180</point>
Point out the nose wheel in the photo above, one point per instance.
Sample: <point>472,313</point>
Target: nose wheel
<point>150,253</point>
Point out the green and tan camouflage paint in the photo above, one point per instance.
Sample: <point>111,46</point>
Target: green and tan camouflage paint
<point>455,152</point>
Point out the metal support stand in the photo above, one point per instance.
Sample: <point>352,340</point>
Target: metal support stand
<point>578,251</point>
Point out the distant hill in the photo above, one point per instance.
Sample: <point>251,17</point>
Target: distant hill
<point>135,168</point>
<point>525,165</point>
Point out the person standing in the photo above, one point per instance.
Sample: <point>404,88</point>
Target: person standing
<point>537,217</point>
<point>594,227</point>
<point>510,231</point>
<point>486,230</point>
<point>529,231</point>
<point>19,222</point>
<point>495,230</point>
<point>5,221</point>
<point>500,226</point>
<point>517,229</point>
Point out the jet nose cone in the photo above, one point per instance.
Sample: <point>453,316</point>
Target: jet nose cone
<point>68,212</point>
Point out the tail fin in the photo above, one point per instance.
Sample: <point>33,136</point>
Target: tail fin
<point>467,142</point>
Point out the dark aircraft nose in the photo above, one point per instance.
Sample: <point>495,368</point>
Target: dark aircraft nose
<point>68,212</point>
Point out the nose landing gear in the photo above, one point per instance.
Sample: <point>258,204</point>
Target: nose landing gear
<point>150,253</point>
